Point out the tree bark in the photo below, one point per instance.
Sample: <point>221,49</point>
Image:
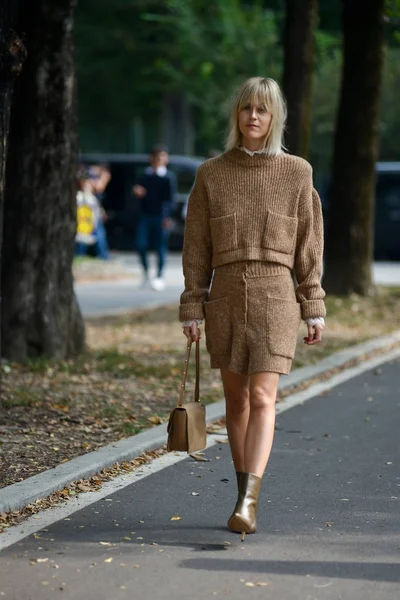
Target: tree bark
<point>297,75</point>
<point>12,56</point>
<point>349,246</point>
<point>40,312</point>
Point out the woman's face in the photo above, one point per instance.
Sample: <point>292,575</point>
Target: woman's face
<point>254,122</point>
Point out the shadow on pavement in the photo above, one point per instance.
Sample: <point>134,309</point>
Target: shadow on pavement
<point>376,571</point>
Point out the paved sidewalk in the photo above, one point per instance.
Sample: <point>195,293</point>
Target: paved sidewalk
<point>329,521</point>
<point>98,298</point>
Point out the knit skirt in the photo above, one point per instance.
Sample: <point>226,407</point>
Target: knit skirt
<point>252,318</point>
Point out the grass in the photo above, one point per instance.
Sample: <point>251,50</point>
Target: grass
<point>22,397</point>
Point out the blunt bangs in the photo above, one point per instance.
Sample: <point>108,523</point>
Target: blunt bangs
<point>258,91</point>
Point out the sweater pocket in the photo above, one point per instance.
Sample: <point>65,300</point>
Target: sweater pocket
<point>283,322</point>
<point>218,326</point>
<point>224,233</point>
<point>280,233</point>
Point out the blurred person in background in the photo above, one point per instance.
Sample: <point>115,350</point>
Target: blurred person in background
<point>88,213</point>
<point>155,191</point>
<point>100,176</point>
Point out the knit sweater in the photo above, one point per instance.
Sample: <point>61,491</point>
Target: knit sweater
<point>259,207</point>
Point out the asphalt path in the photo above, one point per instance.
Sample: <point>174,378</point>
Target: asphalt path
<point>328,527</point>
<point>111,297</point>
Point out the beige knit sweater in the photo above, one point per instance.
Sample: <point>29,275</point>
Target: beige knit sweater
<point>259,207</point>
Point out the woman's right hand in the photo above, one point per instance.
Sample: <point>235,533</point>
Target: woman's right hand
<point>139,191</point>
<point>192,332</point>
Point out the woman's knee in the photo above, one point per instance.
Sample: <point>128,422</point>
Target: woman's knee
<point>236,391</point>
<point>262,397</point>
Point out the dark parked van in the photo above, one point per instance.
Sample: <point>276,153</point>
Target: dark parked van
<point>122,207</point>
<point>387,210</point>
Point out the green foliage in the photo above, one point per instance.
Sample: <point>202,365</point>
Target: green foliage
<point>130,56</point>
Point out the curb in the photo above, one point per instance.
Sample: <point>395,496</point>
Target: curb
<point>39,486</point>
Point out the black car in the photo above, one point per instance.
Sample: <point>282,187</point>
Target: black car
<point>122,207</point>
<point>387,210</point>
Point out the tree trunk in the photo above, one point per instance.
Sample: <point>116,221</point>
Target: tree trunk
<point>40,312</point>
<point>297,75</point>
<point>349,247</point>
<point>12,56</point>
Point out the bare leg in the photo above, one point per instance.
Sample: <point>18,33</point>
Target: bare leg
<point>261,425</point>
<point>236,390</point>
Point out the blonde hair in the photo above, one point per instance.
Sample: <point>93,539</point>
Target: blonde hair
<point>260,90</point>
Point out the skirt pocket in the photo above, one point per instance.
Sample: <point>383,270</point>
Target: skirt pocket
<point>280,233</point>
<point>218,326</point>
<point>282,326</point>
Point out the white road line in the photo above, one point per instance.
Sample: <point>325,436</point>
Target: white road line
<point>52,515</point>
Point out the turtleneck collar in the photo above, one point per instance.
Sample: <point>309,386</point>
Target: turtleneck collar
<point>249,158</point>
<point>253,152</point>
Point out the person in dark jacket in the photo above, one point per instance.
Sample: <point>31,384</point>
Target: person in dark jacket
<point>155,190</point>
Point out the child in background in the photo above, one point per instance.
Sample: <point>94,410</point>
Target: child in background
<point>88,214</point>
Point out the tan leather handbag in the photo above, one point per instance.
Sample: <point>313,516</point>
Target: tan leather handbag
<point>187,422</point>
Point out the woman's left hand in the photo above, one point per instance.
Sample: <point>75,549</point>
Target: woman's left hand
<point>314,334</point>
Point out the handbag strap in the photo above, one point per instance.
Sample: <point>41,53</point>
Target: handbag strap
<point>185,370</point>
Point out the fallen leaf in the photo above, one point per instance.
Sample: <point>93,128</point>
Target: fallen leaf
<point>105,543</point>
<point>199,458</point>
<point>156,420</point>
<point>108,560</point>
<point>176,518</point>
<point>83,488</point>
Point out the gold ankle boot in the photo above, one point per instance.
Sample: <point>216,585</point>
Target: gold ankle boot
<point>243,518</point>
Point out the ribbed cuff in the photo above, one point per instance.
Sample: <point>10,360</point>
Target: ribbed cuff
<point>191,311</point>
<point>312,308</point>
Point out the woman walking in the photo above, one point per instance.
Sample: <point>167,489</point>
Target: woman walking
<point>253,220</point>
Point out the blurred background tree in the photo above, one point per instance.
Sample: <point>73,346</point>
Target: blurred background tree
<point>300,21</point>
<point>166,70</point>
<point>151,70</point>
<point>349,245</point>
